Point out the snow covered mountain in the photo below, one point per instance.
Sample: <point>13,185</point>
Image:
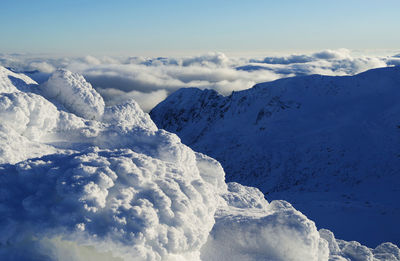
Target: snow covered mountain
<point>104,183</point>
<point>329,145</point>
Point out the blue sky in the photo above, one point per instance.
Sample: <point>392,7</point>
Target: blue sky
<point>184,27</point>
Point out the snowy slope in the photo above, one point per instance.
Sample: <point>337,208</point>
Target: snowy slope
<point>329,145</point>
<point>118,188</point>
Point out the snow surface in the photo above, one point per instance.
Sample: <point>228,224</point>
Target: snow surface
<point>118,188</point>
<point>328,145</point>
<point>73,92</point>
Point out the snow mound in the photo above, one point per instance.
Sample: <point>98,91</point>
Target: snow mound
<point>354,251</point>
<point>244,197</point>
<point>248,228</point>
<point>30,115</point>
<point>136,193</point>
<point>110,199</point>
<point>25,119</point>
<point>128,114</point>
<point>33,126</point>
<point>73,92</point>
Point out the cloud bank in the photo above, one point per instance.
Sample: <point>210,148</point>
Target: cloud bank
<point>150,80</point>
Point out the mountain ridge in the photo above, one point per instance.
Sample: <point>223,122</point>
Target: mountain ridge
<point>295,137</point>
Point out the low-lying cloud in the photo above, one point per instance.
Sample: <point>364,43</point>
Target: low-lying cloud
<point>147,100</point>
<point>150,80</point>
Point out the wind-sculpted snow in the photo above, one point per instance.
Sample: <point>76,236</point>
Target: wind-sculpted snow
<point>74,93</point>
<point>118,188</point>
<point>128,114</point>
<point>136,193</point>
<point>26,119</point>
<point>248,228</point>
<point>112,199</point>
<point>328,145</point>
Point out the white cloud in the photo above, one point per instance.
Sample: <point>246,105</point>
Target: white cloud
<point>42,67</point>
<point>144,77</point>
<point>333,54</point>
<point>147,101</point>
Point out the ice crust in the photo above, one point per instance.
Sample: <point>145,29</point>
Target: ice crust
<point>103,183</point>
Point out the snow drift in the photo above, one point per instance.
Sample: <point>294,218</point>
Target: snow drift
<point>95,183</point>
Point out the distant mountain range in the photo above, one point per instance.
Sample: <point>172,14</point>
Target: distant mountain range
<point>329,145</point>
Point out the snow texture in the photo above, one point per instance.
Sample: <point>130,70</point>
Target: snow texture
<point>114,187</point>
<point>248,228</point>
<point>73,92</point>
<point>328,145</point>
